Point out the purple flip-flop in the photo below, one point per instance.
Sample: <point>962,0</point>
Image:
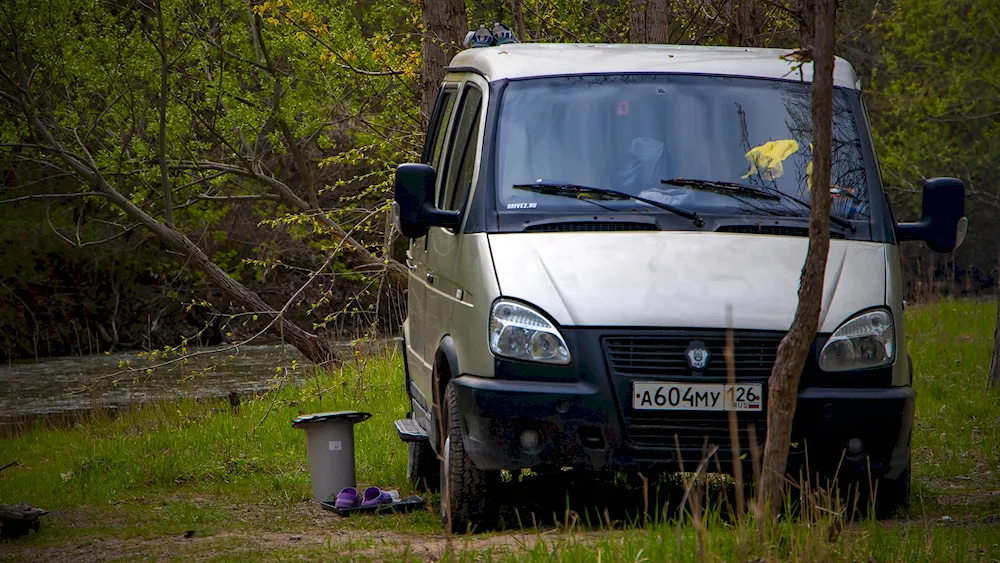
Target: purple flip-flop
<point>348,498</point>
<point>375,496</point>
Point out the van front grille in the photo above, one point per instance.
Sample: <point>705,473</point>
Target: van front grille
<point>656,429</point>
<point>661,357</point>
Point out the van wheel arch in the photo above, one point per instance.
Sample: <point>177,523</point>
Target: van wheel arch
<point>445,369</point>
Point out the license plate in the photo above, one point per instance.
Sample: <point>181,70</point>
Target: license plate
<point>697,396</point>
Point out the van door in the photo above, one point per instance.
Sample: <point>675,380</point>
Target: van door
<point>419,357</point>
<point>443,244</point>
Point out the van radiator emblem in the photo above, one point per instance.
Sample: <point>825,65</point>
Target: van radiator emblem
<point>697,355</point>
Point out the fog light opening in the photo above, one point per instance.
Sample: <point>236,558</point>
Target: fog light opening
<point>592,438</point>
<point>855,449</point>
<point>854,446</point>
<point>530,440</point>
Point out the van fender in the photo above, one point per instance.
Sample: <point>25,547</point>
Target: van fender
<point>445,369</point>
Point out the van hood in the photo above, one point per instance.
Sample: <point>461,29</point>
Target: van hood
<point>682,279</point>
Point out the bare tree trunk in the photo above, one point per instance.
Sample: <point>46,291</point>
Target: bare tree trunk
<point>742,27</point>
<point>658,21</point>
<point>649,21</point>
<point>994,382</point>
<point>637,21</point>
<point>445,26</point>
<point>794,348</point>
<point>805,13</point>
<point>518,13</point>
<point>168,206</point>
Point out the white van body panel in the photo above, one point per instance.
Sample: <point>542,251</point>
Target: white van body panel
<point>470,316</point>
<point>526,60</point>
<point>894,300</point>
<point>682,279</point>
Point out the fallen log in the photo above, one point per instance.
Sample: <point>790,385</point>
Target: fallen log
<point>19,519</point>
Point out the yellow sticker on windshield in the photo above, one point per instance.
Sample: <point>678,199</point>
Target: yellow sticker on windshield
<point>766,159</point>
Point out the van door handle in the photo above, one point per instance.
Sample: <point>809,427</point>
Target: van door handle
<point>430,277</point>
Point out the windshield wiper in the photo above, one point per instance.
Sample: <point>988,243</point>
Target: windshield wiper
<point>733,188</point>
<point>574,190</point>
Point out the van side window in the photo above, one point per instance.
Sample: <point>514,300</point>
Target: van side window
<point>463,151</point>
<point>439,127</point>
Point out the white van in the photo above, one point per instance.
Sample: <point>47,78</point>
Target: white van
<point>583,216</point>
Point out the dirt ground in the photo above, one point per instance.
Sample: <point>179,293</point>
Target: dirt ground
<point>306,531</point>
<point>324,536</point>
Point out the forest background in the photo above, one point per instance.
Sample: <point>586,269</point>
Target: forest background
<point>198,172</point>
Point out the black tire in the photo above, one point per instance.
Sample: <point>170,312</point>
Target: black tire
<point>423,469</point>
<point>893,496</point>
<point>890,496</point>
<point>468,494</point>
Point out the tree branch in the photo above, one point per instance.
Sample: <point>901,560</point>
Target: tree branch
<point>308,343</point>
<point>344,63</point>
<point>161,144</point>
<point>283,128</point>
<point>52,196</point>
<point>397,271</point>
<point>267,197</point>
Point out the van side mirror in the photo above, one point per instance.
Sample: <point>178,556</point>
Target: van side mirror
<point>943,223</point>
<point>413,208</point>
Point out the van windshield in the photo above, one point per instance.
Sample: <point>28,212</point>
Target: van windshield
<point>630,132</point>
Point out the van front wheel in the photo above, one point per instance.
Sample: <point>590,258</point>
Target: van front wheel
<point>888,497</point>
<point>467,493</point>
<point>422,467</point>
<point>893,496</point>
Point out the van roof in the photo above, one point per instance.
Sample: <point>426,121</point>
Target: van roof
<point>527,60</point>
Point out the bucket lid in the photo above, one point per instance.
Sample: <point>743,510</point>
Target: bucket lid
<point>346,416</point>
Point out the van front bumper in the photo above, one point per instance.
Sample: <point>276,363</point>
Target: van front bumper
<point>581,425</point>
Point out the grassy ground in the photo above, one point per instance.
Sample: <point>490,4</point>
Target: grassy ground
<point>235,481</point>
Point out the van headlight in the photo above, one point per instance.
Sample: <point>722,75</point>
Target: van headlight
<point>522,333</point>
<point>867,340</point>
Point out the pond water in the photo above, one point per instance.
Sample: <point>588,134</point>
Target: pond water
<point>62,385</point>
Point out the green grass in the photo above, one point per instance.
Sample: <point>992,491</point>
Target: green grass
<point>249,454</point>
<point>958,421</point>
<point>176,466</point>
<point>128,487</point>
